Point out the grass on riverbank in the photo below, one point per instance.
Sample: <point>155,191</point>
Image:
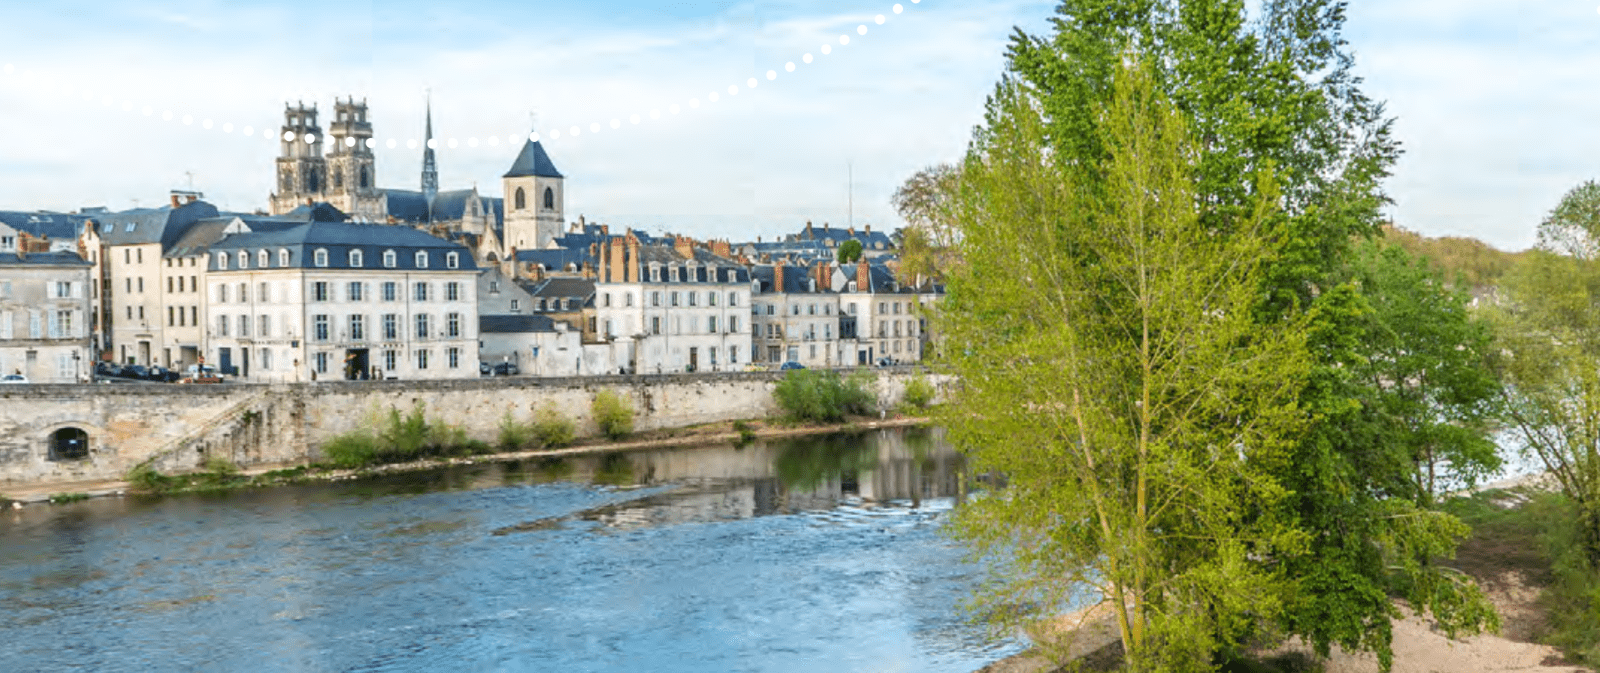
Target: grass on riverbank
<point>219,475</point>
<point>401,438</point>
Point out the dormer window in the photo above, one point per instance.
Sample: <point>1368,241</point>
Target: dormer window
<point>422,259</point>
<point>852,286</point>
<point>262,259</point>
<point>319,258</point>
<point>283,258</point>
<point>390,259</point>
<point>655,274</point>
<point>452,260</point>
<point>356,260</point>
<point>244,259</point>
<point>222,261</point>
<point>674,272</point>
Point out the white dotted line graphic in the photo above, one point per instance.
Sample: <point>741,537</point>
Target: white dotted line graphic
<point>512,140</point>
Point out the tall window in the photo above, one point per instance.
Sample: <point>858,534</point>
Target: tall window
<point>522,199</point>
<point>390,359</point>
<point>452,260</point>
<point>319,291</point>
<point>321,362</point>
<point>422,259</point>
<point>244,326</point>
<point>265,324</point>
<point>222,325</point>
<point>358,328</point>
<point>711,324</point>
<point>733,323</point>
<point>222,259</point>
<point>452,290</point>
<point>262,259</point>
<point>244,259</point>
<point>711,298</point>
<point>391,291</point>
<point>319,327</point>
<point>549,198</point>
<point>422,359</point>
<point>452,325</point>
<point>453,356</point>
<point>421,292</point>
<point>391,328</point>
<point>222,293</point>
<point>733,299</point>
<point>354,291</point>
<point>283,258</point>
<point>319,257</point>
<point>356,259</point>
<point>262,295</point>
<point>655,325</point>
<point>422,326</point>
<point>390,259</point>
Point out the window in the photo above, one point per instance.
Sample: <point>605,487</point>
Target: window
<point>244,326</point>
<point>733,355</point>
<point>897,308</point>
<point>222,325</point>
<point>390,359</point>
<point>733,323</point>
<point>422,326</point>
<point>391,328</point>
<point>605,299</point>
<point>453,357</point>
<point>611,329</point>
<point>222,293</point>
<point>422,259</point>
<point>827,309</point>
<point>319,327</point>
<point>321,362</point>
<point>452,291</point>
<point>655,274</point>
<point>356,259</point>
<point>64,289</point>
<point>354,291</point>
<point>452,260</point>
<point>674,299</point>
<point>422,359</point>
<point>711,324</point>
<point>452,325</point>
<point>655,325</point>
<point>266,358</point>
<point>794,309</point>
<point>390,259</point>
<point>549,198</point>
<point>692,297</point>
<point>852,309</point>
<point>319,258</point>
<point>711,299</point>
<point>61,325</point>
<point>655,298</point>
<point>544,304</point>
<point>170,322</point>
<point>358,328</point>
<point>421,292</point>
<point>733,298</point>
<point>494,287</point>
<point>283,258</point>
<point>674,273</point>
<point>882,308</point>
<point>244,259</point>
<point>319,291</point>
<point>771,308</point>
<point>391,291</point>
<point>521,199</point>
<point>811,309</point>
<point>262,259</point>
<point>262,295</point>
<point>516,304</point>
<point>264,325</point>
<point>244,293</point>
<point>141,285</point>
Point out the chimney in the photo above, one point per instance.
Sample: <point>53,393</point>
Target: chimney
<point>631,260</point>
<point>612,261</point>
<point>176,201</point>
<point>822,275</point>
<point>863,277</point>
<point>869,229</point>
<point>852,231</point>
<point>605,230</point>
<point>777,276</point>
<point>809,235</point>
<point>721,248</point>
<point>192,198</point>
<point>684,246</point>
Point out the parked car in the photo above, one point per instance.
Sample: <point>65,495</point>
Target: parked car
<point>791,365</point>
<point>484,369</point>
<point>136,372</point>
<point>506,369</point>
<point>162,374</point>
<point>13,378</point>
<point>201,374</point>
<point>886,362</point>
<point>107,369</point>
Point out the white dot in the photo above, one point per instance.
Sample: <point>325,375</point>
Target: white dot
<point>827,49</point>
<point>453,143</point>
<point>806,58</point>
<point>267,133</point>
<point>494,140</point>
<point>349,141</point>
<point>861,29</point>
<point>371,143</point>
<point>844,39</point>
<point>789,67</point>
<point>206,124</point>
<point>227,127</point>
<point>188,120</point>
<point>772,75</point>
<point>634,119</point>
<point>713,97</point>
<point>575,131</point>
<point>554,134</point>
<point>733,89</point>
<point>433,143</point>
<point>879,19</point>
<point>411,144</point>
<point>533,137</point>
<point>898,8</point>
<point>594,127</point>
<point>673,108</point>
<point>390,143</point>
<point>247,131</point>
<point>311,139</point>
<point>751,82</point>
<point>288,136</point>
<point>616,123</point>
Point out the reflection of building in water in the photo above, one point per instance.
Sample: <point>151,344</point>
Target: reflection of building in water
<point>913,465</point>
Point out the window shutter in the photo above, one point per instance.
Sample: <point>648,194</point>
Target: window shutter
<point>5,325</point>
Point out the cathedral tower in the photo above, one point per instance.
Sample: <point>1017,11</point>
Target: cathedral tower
<point>352,177</point>
<point>533,199</point>
<point>301,169</point>
<point>430,170</point>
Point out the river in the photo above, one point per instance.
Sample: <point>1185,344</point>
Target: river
<point>811,554</point>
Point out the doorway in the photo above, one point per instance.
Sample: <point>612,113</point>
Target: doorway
<point>356,365</point>
<point>694,358</point>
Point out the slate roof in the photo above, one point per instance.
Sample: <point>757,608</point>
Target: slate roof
<point>533,161</point>
<point>40,223</point>
<point>667,255</point>
<point>407,206</point>
<point>876,240</point>
<point>322,211</point>
<point>42,259</point>
<point>562,287</point>
<point>338,238</point>
<point>164,225</point>
<point>513,324</point>
<point>556,259</point>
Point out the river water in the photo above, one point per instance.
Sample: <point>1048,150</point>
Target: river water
<point>814,554</point>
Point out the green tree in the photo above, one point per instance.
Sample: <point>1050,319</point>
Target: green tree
<point>1138,411</point>
<point>849,251</point>
<point>1549,331</point>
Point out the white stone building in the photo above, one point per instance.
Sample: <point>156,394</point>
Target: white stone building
<point>795,313</point>
<point>674,308</point>
<point>44,316</point>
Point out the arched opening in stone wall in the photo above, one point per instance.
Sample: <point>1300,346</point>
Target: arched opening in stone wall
<point>69,444</point>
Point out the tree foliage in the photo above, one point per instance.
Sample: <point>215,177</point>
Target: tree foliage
<point>1465,262</point>
<point>1549,331</point>
<point>849,251</point>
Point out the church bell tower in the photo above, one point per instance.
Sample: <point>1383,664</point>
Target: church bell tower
<point>302,172</point>
<point>352,177</point>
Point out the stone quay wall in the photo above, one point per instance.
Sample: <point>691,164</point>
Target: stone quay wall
<point>178,428</point>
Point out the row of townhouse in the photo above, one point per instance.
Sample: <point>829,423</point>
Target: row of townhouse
<point>45,310</point>
<point>827,315</point>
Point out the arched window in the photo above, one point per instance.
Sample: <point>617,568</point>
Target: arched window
<point>389,259</point>
<point>366,178</point>
<point>338,180</point>
<point>422,259</point>
<point>320,257</point>
<point>244,259</point>
<point>283,258</point>
<point>522,199</point>
<point>69,444</point>
<point>549,198</point>
<point>312,183</point>
<point>262,258</point>
<point>356,260</point>
<point>452,260</point>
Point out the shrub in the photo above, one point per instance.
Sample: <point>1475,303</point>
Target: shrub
<point>514,435</point>
<point>357,448</point>
<point>919,393</point>
<point>147,479</point>
<point>613,414</point>
<point>552,430</point>
<point>823,396</point>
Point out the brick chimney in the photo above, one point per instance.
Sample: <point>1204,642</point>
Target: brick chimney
<point>684,246</point>
<point>614,268</point>
<point>809,235</point>
<point>777,276</point>
<point>721,248</point>
<point>820,274</point>
<point>863,277</point>
<point>176,201</point>
<point>868,229</point>
<point>630,260</point>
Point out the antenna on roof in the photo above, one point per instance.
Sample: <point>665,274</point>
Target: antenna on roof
<point>850,168</point>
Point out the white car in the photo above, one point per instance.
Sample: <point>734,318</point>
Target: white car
<point>13,378</point>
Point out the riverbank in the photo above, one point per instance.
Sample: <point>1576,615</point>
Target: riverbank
<point>261,475</point>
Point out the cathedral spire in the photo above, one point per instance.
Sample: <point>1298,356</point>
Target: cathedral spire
<point>430,170</point>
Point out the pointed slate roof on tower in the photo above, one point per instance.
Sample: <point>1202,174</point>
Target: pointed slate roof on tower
<point>430,170</point>
<point>533,161</point>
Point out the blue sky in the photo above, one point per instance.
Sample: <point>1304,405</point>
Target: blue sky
<point>1492,98</point>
